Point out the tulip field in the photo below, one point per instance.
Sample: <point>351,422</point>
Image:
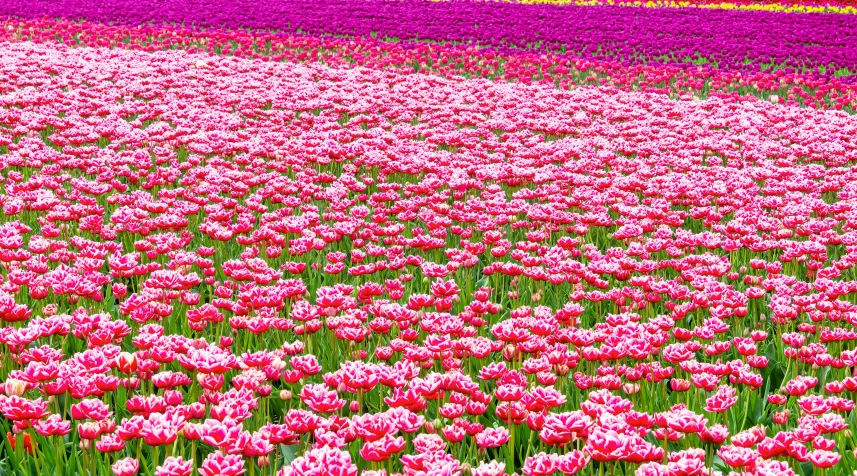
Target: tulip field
<point>428,238</point>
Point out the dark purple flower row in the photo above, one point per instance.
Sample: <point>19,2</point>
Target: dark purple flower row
<point>734,40</point>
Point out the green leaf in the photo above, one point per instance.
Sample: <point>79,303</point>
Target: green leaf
<point>806,469</point>
<point>290,452</point>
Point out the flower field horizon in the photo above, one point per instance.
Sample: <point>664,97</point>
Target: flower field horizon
<point>428,238</point>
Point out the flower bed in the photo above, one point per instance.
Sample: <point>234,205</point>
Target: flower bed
<point>243,266</point>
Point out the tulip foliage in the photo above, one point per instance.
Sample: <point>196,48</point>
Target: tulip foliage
<point>245,252</point>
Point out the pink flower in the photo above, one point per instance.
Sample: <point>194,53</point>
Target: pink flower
<point>217,464</point>
<point>572,462</point>
<point>321,399</point>
<point>174,466</point>
<point>492,437</point>
<point>54,425</point>
<point>490,468</point>
<point>125,467</point>
<point>652,469</point>
<point>541,464</point>
<point>321,461</point>
<point>824,459</point>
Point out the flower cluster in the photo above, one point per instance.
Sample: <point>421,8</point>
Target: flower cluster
<point>453,61</point>
<point>788,6</point>
<point>216,264</point>
<point>747,41</point>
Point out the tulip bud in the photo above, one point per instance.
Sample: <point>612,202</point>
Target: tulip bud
<point>679,385</point>
<point>173,397</point>
<point>15,387</point>
<point>510,352</point>
<point>89,430</point>
<point>119,290</point>
<point>197,410</point>
<point>278,363</point>
<point>285,395</point>
<point>126,362</point>
<point>263,462</point>
<point>354,406</point>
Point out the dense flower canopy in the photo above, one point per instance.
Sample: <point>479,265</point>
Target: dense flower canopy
<point>235,251</point>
